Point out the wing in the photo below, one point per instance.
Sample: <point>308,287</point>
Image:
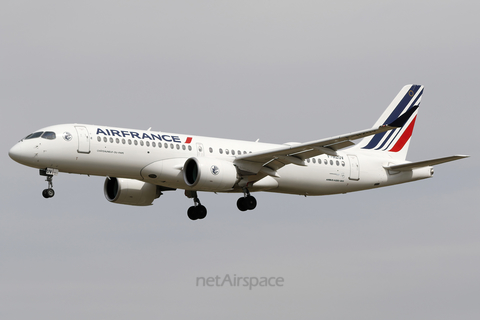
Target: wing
<point>269,161</point>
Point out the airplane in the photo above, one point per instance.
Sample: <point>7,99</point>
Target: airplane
<point>139,165</point>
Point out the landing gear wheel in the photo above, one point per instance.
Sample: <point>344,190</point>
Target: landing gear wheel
<point>197,212</point>
<point>251,202</point>
<point>192,213</point>
<point>201,212</point>
<point>246,203</point>
<point>241,204</point>
<point>48,193</point>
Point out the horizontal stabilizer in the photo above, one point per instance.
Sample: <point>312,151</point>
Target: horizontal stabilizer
<point>421,164</point>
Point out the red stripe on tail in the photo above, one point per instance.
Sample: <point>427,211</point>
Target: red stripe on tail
<point>404,138</point>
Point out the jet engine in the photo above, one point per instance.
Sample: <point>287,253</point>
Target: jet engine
<point>209,174</point>
<point>130,191</point>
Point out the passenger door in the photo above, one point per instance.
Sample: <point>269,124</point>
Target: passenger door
<point>83,139</point>
<point>354,167</point>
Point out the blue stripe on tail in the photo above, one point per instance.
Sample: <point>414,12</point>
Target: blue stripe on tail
<point>394,115</point>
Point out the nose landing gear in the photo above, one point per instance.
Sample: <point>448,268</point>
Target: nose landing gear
<point>48,193</point>
<point>49,173</point>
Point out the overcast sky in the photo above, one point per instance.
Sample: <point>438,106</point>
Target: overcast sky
<point>278,71</point>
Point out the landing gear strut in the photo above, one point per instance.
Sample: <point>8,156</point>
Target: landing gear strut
<point>198,211</point>
<point>247,202</point>
<point>49,173</point>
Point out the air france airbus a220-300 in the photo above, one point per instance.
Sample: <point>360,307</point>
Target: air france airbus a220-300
<point>139,165</point>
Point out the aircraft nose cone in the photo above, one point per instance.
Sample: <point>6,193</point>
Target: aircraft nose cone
<point>19,154</point>
<point>14,153</point>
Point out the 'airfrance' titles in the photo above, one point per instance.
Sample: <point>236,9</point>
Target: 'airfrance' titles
<point>133,134</point>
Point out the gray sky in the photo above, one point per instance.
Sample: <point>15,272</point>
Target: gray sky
<point>280,71</point>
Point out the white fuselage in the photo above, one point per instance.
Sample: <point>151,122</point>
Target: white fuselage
<point>158,158</point>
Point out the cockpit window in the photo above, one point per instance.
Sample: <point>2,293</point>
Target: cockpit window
<point>34,135</point>
<point>50,135</point>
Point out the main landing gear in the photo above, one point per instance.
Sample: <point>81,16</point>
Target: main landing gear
<point>247,202</point>
<point>49,173</point>
<point>198,211</point>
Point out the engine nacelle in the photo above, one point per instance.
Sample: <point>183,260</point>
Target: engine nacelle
<point>209,174</point>
<point>130,191</point>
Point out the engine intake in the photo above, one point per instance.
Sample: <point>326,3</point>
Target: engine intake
<point>130,191</point>
<point>209,174</point>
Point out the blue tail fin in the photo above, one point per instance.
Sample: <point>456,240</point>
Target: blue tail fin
<point>396,142</point>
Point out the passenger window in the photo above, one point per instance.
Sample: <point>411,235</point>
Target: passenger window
<point>210,149</point>
<point>233,152</point>
<point>129,141</point>
<point>135,142</point>
<point>189,148</point>
<point>141,143</point>
<point>325,161</point>
<point>220,151</point>
<point>171,145</point>
<point>343,163</point>
<point>314,161</point>
<point>178,147</point>
<point>117,140</point>
<point>104,139</point>
<point>154,144</point>
<point>99,139</point>
<point>183,147</point>
<point>166,145</point>
<point>227,151</point>
<point>338,163</point>
<point>111,140</point>
<point>331,162</point>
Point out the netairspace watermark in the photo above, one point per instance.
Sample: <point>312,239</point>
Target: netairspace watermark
<point>229,281</point>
